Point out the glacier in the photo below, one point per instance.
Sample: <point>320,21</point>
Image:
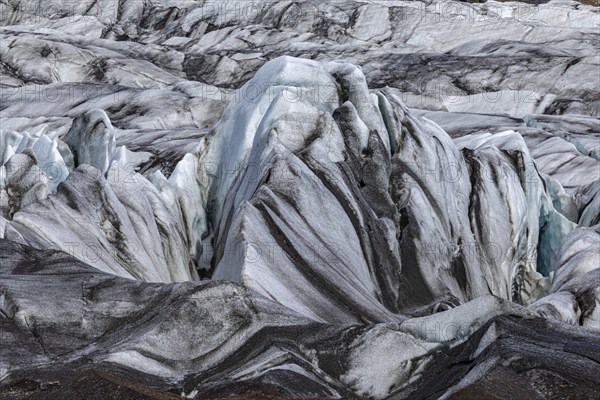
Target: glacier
<point>357,199</point>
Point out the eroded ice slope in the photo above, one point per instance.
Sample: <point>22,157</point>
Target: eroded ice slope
<point>333,212</point>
